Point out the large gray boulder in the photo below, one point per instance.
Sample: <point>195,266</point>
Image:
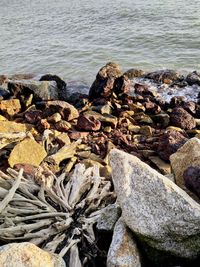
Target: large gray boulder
<point>161,214</point>
<point>43,90</point>
<point>123,251</point>
<point>28,255</point>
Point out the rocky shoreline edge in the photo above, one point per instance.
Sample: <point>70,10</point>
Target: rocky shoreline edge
<point>108,178</point>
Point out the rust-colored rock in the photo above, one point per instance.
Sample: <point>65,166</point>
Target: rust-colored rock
<point>75,135</point>
<point>181,118</point>
<point>88,123</point>
<point>27,151</point>
<point>169,143</point>
<point>43,125</point>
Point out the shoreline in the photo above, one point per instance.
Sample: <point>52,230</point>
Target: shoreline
<point>62,138</point>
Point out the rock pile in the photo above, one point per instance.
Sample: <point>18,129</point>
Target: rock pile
<point>56,182</point>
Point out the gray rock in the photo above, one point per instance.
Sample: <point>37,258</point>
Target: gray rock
<point>109,217</point>
<point>161,75</point>
<point>123,251</point>
<point>160,213</point>
<point>28,255</point>
<point>193,78</point>
<point>44,90</point>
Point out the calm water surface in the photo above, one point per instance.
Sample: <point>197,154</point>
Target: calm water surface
<point>74,38</point>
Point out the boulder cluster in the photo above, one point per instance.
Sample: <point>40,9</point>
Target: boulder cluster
<point>108,178</point>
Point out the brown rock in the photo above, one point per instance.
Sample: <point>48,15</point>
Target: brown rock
<point>63,126</point>
<point>27,151</point>
<point>28,168</point>
<point>164,167</point>
<point>13,127</point>
<point>169,143</point>
<point>33,115</point>
<point>75,135</point>
<point>88,123</point>
<point>105,119</point>
<point>181,118</point>
<point>122,84</point>
<point>67,111</point>
<point>56,117</point>
<point>43,125</point>
<point>190,107</point>
<point>193,78</point>
<point>152,107</point>
<point>10,107</point>
<point>134,73</point>
<point>63,139</point>
<point>188,155</point>
<point>146,130</point>
<point>103,85</point>
<point>143,89</point>
<point>162,75</point>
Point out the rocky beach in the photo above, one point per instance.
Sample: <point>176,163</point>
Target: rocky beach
<point>102,176</point>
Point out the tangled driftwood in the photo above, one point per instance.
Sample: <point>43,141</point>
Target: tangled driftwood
<point>56,213</point>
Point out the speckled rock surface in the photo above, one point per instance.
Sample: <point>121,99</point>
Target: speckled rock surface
<point>123,251</point>
<point>160,213</point>
<point>28,255</point>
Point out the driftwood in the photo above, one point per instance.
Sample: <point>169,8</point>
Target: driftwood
<point>56,213</point>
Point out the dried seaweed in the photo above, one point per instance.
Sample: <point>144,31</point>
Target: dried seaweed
<point>55,213</point>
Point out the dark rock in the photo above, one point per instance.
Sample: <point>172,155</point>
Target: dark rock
<point>182,119</point>
<point>152,108</point>
<point>163,119</point>
<point>61,85</point>
<point>169,143</point>
<point>134,73</point>
<point>103,85</point>
<point>177,101</point>
<point>78,100</point>
<point>193,78</point>
<point>191,177</point>
<point>122,84</point>
<point>190,107</point>
<point>162,75</point>
<point>3,79</point>
<point>143,89</point>
<point>33,116</point>
<point>4,94</point>
<point>88,123</point>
